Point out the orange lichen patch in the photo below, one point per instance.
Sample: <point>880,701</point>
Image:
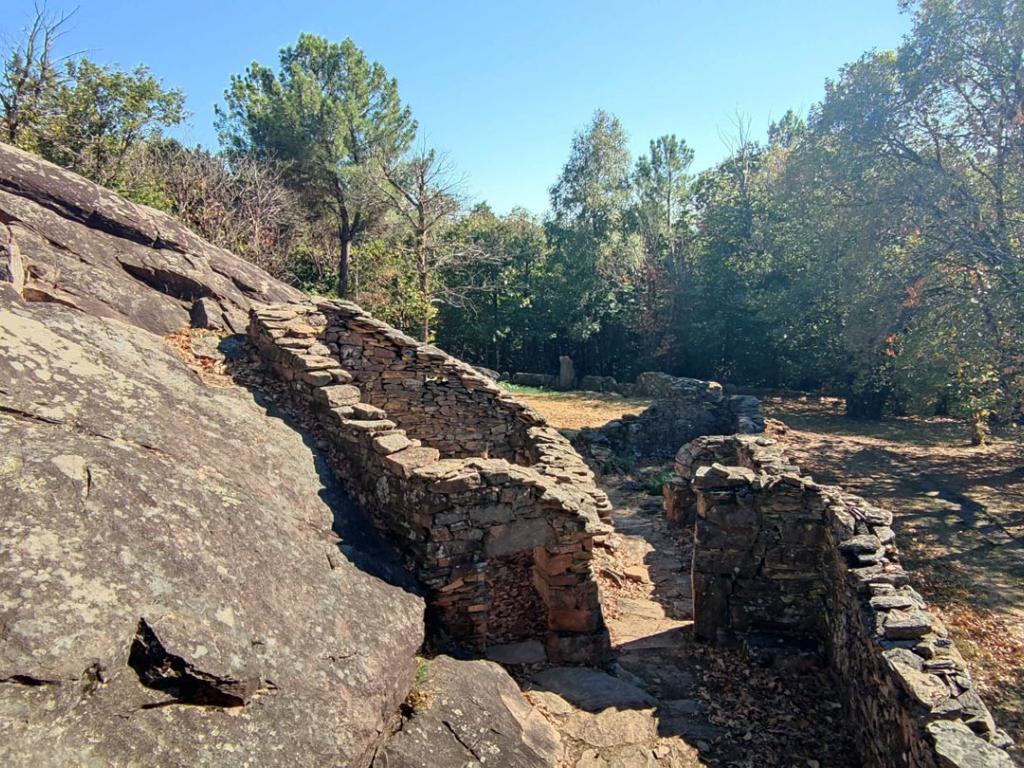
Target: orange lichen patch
<point>192,345</point>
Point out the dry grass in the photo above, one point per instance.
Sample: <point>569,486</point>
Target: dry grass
<point>575,410</point>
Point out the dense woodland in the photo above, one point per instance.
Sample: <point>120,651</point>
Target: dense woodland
<point>871,248</point>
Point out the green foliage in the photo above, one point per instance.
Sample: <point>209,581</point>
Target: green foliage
<point>328,114</point>
<point>652,484</point>
<point>95,120</point>
<point>587,289</point>
<point>872,250</point>
<point>99,115</point>
<point>500,326</point>
<point>387,285</point>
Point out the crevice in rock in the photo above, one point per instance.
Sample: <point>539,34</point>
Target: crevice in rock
<point>161,670</point>
<point>29,680</point>
<point>18,413</point>
<point>459,739</point>
<point>34,294</point>
<point>97,220</point>
<point>241,285</point>
<point>167,282</point>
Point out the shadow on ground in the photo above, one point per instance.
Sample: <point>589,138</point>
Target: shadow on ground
<point>959,516</point>
<point>672,701</point>
<point>357,538</point>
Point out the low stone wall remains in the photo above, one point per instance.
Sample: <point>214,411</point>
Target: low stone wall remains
<point>448,404</point>
<point>490,535</point>
<point>683,409</point>
<point>777,555</point>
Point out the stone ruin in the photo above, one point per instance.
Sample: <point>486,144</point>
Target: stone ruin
<point>783,565</point>
<point>497,515</point>
<point>683,409</point>
<point>173,501</point>
<point>492,509</point>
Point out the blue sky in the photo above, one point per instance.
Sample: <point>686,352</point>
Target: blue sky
<point>502,86</point>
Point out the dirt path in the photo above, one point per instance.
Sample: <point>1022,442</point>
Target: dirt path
<point>669,701</point>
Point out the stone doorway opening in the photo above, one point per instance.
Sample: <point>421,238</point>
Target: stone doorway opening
<point>517,611</point>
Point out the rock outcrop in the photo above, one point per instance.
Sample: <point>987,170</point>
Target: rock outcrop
<point>468,714</point>
<point>182,582</point>
<point>167,545</point>
<point>66,240</point>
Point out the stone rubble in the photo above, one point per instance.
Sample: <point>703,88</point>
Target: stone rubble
<point>683,409</point>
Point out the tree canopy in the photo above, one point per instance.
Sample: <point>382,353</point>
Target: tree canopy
<point>870,248</point>
<point>329,114</point>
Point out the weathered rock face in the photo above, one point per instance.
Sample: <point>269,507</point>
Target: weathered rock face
<point>472,714</point>
<point>172,587</point>
<point>182,582</point>
<point>166,544</point>
<point>64,239</point>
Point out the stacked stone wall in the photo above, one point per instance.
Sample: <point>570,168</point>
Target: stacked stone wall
<point>448,404</point>
<point>470,527</point>
<point>683,409</point>
<point>776,553</point>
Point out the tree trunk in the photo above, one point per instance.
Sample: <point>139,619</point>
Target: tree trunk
<point>424,288</point>
<point>423,267</point>
<point>345,254</point>
<point>980,428</point>
<point>866,403</point>
<point>345,237</point>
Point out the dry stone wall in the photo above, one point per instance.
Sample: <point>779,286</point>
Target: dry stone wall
<point>490,539</point>
<point>448,404</point>
<point>777,554</point>
<point>683,409</point>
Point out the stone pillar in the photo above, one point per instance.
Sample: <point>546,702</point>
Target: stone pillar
<point>757,559</point>
<point>566,373</point>
<point>678,501</point>
<point>563,578</point>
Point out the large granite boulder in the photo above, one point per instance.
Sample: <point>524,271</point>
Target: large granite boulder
<point>64,239</point>
<point>172,589</point>
<point>471,713</point>
<point>181,583</point>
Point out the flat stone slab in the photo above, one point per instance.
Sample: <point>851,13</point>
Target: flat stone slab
<point>641,609</point>
<point>613,728</point>
<point>526,652</point>
<point>592,689</point>
<point>957,747</point>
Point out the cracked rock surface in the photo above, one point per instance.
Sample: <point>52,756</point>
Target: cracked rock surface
<point>181,582</point>
<point>64,239</point>
<point>471,714</point>
<point>141,507</point>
